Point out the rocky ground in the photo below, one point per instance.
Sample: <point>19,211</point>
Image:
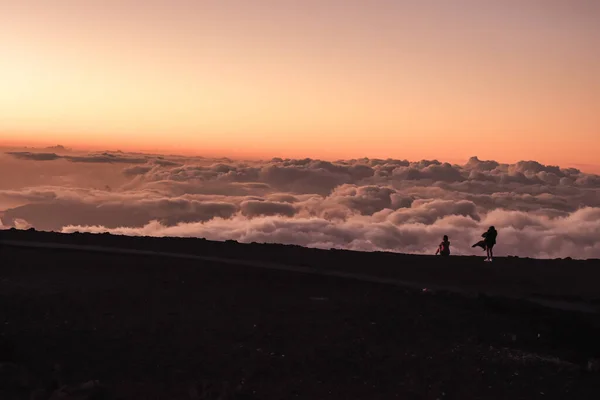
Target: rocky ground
<point>81,325</point>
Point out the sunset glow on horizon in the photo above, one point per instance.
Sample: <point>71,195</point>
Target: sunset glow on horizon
<point>328,79</point>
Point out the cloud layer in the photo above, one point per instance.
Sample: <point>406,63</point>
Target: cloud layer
<point>364,204</point>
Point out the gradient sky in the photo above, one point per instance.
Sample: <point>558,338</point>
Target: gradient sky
<point>505,80</point>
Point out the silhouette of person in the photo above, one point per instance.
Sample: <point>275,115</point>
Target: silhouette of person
<point>488,242</point>
<point>444,247</point>
<point>489,239</point>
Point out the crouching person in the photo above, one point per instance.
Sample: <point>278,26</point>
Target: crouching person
<point>444,247</point>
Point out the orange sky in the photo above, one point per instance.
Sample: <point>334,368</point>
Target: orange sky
<point>509,80</point>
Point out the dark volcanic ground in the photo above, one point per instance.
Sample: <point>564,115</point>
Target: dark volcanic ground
<point>154,328</point>
<point>560,279</point>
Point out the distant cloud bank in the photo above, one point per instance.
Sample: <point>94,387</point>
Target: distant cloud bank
<point>364,204</point>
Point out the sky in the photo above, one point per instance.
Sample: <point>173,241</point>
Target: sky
<point>506,80</point>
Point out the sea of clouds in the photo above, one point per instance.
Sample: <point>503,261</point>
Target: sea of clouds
<point>364,204</point>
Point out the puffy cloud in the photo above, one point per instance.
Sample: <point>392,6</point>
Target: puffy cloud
<point>428,211</point>
<point>116,212</point>
<point>430,171</point>
<point>363,204</point>
<point>532,236</point>
<point>105,157</point>
<point>176,188</point>
<point>137,170</point>
<point>26,155</point>
<point>365,200</point>
<point>533,167</point>
<point>253,208</point>
<point>166,163</point>
<point>476,164</point>
<point>283,198</point>
<point>304,178</point>
<point>590,181</point>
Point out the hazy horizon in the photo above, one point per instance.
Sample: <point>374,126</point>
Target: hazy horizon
<point>327,79</point>
<point>51,146</point>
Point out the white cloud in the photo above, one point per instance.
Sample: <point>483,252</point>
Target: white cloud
<point>366,204</point>
<point>519,234</point>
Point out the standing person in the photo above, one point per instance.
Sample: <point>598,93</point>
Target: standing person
<point>489,238</point>
<point>444,247</point>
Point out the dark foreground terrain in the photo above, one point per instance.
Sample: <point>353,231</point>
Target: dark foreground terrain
<point>162,328</point>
